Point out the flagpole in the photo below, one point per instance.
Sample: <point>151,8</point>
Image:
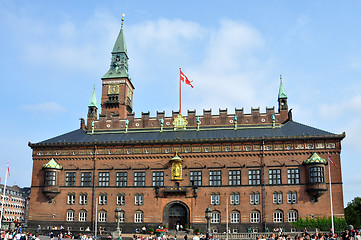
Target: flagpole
<point>329,178</point>
<point>2,205</point>
<point>227,221</point>
<point>180,92</point>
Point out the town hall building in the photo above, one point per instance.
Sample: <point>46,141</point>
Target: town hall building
<point>257,170</point>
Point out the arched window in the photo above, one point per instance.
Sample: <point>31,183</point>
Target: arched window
<point>82,215</point>
<point>102,216</point>
<point>255,217</point>
<point>292,216</point>
<point>235,217</point>
<point>216,217</point>
<point>70,215</point>
<point>138,217</point>
<point>278,216</point>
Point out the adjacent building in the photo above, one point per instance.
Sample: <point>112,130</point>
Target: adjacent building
<point>256,171</point>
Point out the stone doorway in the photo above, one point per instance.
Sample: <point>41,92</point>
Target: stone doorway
<point>175,213</point>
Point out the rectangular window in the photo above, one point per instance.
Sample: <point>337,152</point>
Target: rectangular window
<point>277,198</point>
<point>138,217</point>
<point>139,179</point>
<point>138,199</point>
<point>83,200</point>
<point>274,176</point>
<point>215,178</point>
<point>195,178</point>
<point>103,199</point>
<point>71,199</point>
<point>120,199</point>
<point>293,176</point>
<point>215,199</point>
<point>278,217</point>
<point>254,198</point>
<point>254,177</point>
<point>86,179</point>
<point>317,175</point>
<point>158,179</point>
<point>292,216</point>
<point>292,197</point>
<point>234,177</point>
<point>122,217</point>
<point>235,199</point>
<point>70,179</point>
<point>50,178</point>
<point>103,179</point>
<point>121,179</point>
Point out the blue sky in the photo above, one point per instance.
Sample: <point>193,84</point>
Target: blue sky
<point>53,52</point>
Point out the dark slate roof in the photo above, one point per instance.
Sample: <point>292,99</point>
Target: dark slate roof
<point>289,130</point>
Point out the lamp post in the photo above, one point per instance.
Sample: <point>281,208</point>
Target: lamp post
<point>118,212</point>
<point>208,215</point>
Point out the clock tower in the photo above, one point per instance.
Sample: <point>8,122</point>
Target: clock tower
<point>117,88</point>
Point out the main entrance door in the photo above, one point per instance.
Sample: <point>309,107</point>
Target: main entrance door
<point>177,215</point>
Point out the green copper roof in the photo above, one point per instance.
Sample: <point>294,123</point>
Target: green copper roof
<point>315,159</point>
<point>282,92</point>
<point>176,158</point>
<point>120,46</point>
<point>93,100</point>
<point>52,164</point>
<point>119,62</point>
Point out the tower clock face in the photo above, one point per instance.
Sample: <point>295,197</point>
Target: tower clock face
<point>113,89</point>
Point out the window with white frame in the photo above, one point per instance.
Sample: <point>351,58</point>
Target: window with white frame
<point>278,216</point>
<point>138,199</point>
<point>255,217</point>
<point>292,216</point>
<point>83,199</point>
<point>235,199</point>
<point>102,216</point>
<point>277,197</point>
<point>215,199</point>
<point>254,198</point>
<point>216,217</point>
<point>235,217</point>
<point>71,199</point>
<point>121,199</point>
<point>292,197</point>
<point>138,217</point>
<point>103,199</point>
<point>82,215</point>
<point>70,215</point>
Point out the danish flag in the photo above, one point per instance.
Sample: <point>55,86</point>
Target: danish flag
<point>331,161</point>
<point>184,79</point>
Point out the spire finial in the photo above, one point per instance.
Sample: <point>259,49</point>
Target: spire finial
<point>280,77</point>
<point>123,15</point>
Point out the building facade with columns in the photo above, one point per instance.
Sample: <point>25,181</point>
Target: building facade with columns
<point>255,171</point>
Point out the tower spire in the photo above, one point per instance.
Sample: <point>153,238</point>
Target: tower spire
<point>93,100</point>
<point>282,97</point>
<point>119,61</point>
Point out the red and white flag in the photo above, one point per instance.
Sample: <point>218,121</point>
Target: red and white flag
<point>184,79</point>
<point>331,161</point>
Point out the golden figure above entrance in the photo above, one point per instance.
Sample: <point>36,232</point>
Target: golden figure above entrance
<point>176,167</point>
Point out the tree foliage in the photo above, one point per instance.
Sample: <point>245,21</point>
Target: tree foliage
<point>324,224</point>
<point>353,213</point>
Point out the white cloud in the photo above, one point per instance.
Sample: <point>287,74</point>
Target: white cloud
<point>48,108</point>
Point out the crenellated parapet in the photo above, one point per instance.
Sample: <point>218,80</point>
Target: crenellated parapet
<point>205,120</point>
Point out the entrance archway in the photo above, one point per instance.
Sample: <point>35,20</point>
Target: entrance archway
<point>175,213</point>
